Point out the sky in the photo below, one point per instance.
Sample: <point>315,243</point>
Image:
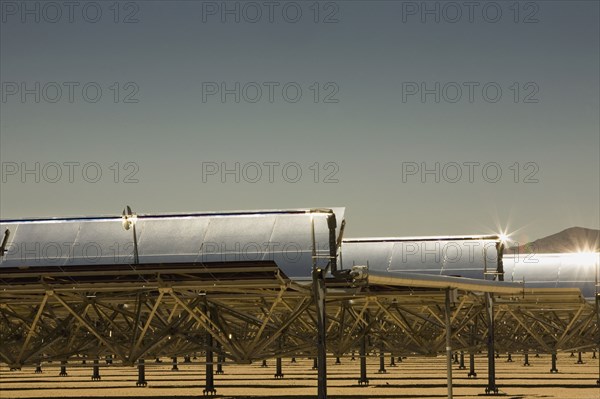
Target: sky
<point>420,117</point>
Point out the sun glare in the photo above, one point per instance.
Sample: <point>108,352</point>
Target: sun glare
<point>504,237</point>
<point>586,257</point>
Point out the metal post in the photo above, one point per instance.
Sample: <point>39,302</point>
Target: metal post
<point>448,345</point>
<point>38,368</point>
<point>63,368</point>
<point>382,363</point>
<point>363,360</point>
<point>392,361</point>
<point>598,317</point>
<point>220,360</point>
<point>337,360</point>
<point>472,372</point>
<point>278,372</point>
<point>491,388</point>
<point>141,382</point>
<point>473,337</point>
<point>319,292</point>
<point>174,368</point>
<point>293,360</point>
<point>278,368</point>
<point>579,360</point>
<point>353,358</point>
<point>456,361</point>
<point>509,359</point>
<point>554,370</point>
<point>96,370</point>
<point>526,361</point>
<point>461,365</point>
<point>209,388</point>
<point>315,364</point>
<point>598,380</point>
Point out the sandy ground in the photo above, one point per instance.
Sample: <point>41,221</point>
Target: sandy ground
<point>422,378</point>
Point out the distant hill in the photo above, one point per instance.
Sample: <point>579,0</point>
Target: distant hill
<point>570,240</point>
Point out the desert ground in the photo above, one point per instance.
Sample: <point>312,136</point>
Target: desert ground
<point>414,377</point>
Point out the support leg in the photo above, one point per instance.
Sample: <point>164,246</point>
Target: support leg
<point>187,359</point>
<point>174,368</point>
<point>491,388</point>
<point>509,359</point>
<point>472,372</point>
<point>363,361</point>
<point>96,370</point>
<point>381,363</point>
<point>278,368</point>
<point>461,364</point>
<point>526,361</point>
<point>141,382</point>
<point>220,361</point>
<point>264,363</point>
<point>63,368</point>
<point>293,360</point>
<point>597,322</point>
<point>392,361</point>
<point>319,293</point>
<point>209,388</point>
<point>554,370</point>
<point>278,372</point>
<point>579,360</point>
<point>448,345</point>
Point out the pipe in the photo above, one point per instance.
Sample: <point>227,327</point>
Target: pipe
<point>443,282</point>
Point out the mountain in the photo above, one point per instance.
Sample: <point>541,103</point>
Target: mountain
<point>573,239</point>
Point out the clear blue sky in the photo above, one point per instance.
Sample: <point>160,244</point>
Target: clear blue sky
<point>367,119</point>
